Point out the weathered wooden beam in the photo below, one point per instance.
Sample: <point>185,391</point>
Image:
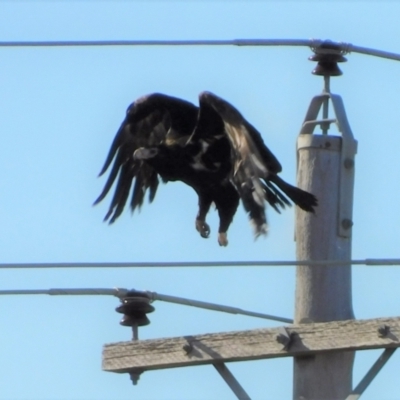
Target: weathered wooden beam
<point>305,340</point>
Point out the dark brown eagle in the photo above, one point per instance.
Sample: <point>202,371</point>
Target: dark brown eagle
<point>211,148</point>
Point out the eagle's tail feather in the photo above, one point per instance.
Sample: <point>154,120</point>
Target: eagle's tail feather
<point>303,199</point>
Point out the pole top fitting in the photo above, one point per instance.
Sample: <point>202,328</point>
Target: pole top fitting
<point>328,54</point>
<point>135,305</point>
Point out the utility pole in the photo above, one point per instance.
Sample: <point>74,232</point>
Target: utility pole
<point>323,293</point>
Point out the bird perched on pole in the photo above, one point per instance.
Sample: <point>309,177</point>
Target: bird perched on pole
<point>211,148</point>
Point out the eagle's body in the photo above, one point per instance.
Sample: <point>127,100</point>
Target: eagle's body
<point>211,148</point>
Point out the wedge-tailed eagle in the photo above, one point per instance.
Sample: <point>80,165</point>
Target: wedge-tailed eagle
<point>211,148</point>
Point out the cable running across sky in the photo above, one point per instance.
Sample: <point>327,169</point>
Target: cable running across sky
<point>371,262</point>
<point>313,43</point>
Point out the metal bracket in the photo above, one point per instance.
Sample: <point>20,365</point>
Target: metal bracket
<point>284,338</point>
<point>231,381</point>
<point>371,374</point>
<point>191,350</point>
<point>348,152</point>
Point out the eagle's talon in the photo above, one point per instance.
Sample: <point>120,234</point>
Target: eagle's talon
<point>223,239</point>
<point>203,228</point>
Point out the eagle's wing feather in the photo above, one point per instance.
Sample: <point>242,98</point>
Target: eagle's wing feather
<point>149,122</point>
<point>254,166</point>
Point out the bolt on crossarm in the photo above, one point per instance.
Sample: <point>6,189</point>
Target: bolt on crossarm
<point>326,169</point>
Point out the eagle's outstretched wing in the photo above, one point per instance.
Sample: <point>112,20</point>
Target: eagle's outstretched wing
<point>254,166</point>
<point>150,121</point>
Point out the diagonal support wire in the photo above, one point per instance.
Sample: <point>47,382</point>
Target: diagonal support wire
<point>231,381</point>
<point>215,307</point>
<point>371,374</point>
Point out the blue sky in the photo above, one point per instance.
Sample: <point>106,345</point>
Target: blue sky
<point>60,109</point>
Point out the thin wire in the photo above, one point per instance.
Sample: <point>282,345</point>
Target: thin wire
<point>313,43</point>
<point>190,264</point>
<point>117,292</point>
<point>215,307</point>
<point>234,42</point>
<point>121,292</point>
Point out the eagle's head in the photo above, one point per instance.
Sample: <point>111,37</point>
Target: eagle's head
<point>143,153</point>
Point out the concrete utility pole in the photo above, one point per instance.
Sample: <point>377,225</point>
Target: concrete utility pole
<point>323,293</point>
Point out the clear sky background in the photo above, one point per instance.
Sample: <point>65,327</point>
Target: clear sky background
<point>59,111</point>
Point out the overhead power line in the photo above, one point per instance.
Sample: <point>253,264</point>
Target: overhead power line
<point>372,262</point>
<point>120,292</point>
<point>313,43</point>
<point>234,42</point>
<point>117,292</point>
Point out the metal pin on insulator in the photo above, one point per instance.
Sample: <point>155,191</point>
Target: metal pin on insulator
<point>135,305</point>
